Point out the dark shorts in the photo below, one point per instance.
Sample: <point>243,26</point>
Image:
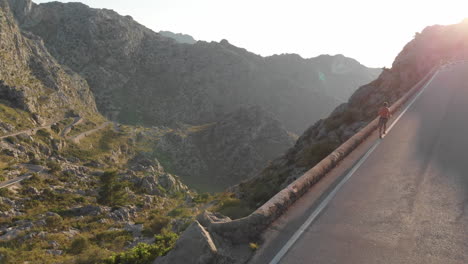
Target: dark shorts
<point>383,121</point>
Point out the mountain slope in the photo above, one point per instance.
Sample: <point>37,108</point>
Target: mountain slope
<point>73,202</point>
<point>141,77</point>
<point>435,44</point>
<point>337,76</point>
<point>33,81</point>
<point>215,156</point>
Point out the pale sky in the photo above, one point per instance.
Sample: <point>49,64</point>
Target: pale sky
<point>371,31</point>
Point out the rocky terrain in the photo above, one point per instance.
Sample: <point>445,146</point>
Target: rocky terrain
<point>96,200</point>
<point>33,81</point>
<point>434,45</point>
<point>142,77</point>
<point>89,202</point>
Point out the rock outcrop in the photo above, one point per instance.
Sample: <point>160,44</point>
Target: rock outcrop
<point>198,245</point>
<point>194,246</point>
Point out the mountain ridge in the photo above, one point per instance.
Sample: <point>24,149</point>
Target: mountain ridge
<point>191,83</point>
<point>179,37</point>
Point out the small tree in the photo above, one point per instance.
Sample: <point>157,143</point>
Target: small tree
<point>112,190</point>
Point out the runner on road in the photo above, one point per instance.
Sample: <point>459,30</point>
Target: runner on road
<point>384,114</point>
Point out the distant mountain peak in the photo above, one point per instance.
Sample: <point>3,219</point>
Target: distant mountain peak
<point>179,37</point>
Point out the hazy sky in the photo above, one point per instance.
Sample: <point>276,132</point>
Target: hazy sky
<point>371,31</point>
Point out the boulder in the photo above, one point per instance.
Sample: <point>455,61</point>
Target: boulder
<point>194,246</point>
<point>89,210</point>
<point>135,229</point>
<point>150,185</point>
<point>124,214</point>
<point>58,145</point>
<point>171,184</point>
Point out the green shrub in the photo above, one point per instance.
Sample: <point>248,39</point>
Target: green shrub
<point>55,128</point>
<point>36,161</point>
<point>5,192</point>
<point>180,212</point>
<point>107,238</point>
<point>79,245</point>
<point>53,166</point>
<point>157,224</point>
<point>112,190</point>
<point>43,133</point>
<point>4,207</point>
<point>34,181</point>
<point>93,255</point>
<point>6,255</point>
<point>31,203</point>
<point>202,198</point>
<point>54,221</point>
<point>145,253</point>
<point>233,208</point>
<point>11,140</point>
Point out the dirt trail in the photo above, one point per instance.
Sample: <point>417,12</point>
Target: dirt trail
<point>76,139</point>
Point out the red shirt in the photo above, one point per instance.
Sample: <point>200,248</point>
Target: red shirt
<point>384,112</point>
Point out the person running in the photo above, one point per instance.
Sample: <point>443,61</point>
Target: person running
<point>384,114</point>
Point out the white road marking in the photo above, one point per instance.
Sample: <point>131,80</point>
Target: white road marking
<point>332,194</point>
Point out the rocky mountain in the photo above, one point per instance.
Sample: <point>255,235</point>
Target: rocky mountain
<point>217,155</point>
<point>33,81</point>
<point>142,77</point>
<point>337,76</point>
<point>76,188</point>
<point>434,45</point>
<point>179,37</point>
<point>68,201</point>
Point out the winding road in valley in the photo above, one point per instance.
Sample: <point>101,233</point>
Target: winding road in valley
<point>77,138</point>
<point>64,133</point>
<point>30,167</point>
<point>402,199</point>
<point>30,131</point>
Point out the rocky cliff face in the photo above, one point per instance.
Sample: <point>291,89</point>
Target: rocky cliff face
<point>428,49</point>
<point>32,79</point>
<point>141,77</point>
<point>214,156</point>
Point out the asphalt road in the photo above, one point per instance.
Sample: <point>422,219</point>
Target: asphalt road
<point>408,202</point>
